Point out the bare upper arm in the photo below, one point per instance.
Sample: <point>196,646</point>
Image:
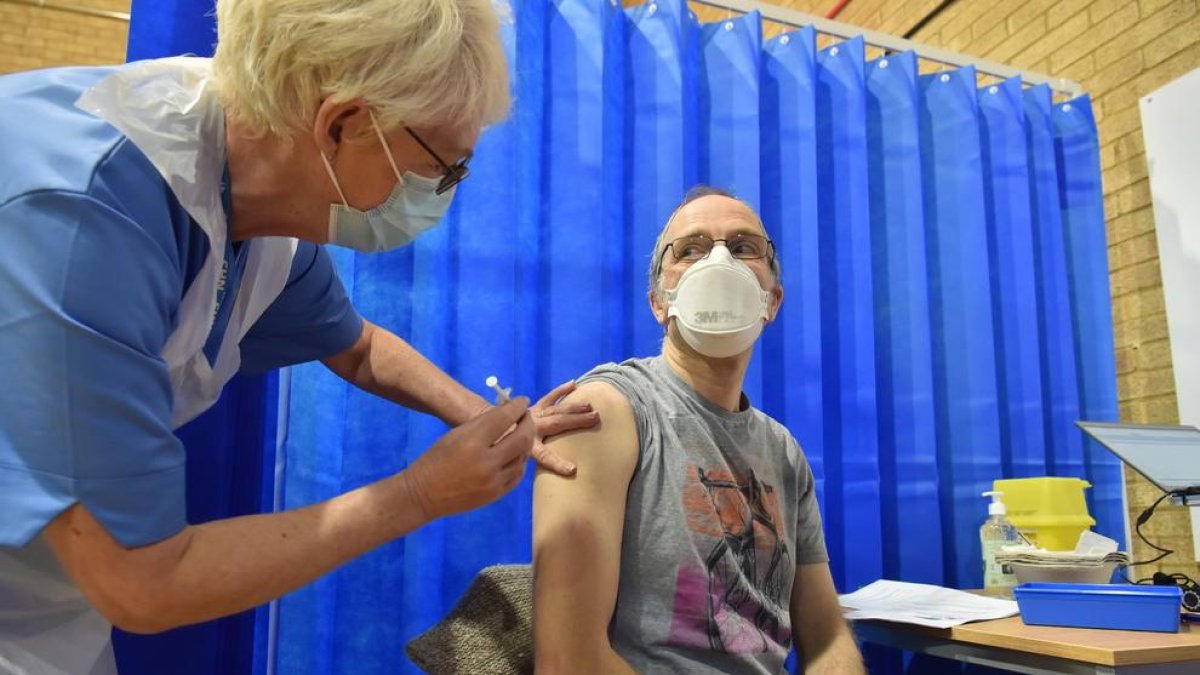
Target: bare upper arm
<point>815,612</point>
<point>347,363</point>
<point>578,523</point>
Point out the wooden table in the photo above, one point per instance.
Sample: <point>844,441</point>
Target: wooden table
<point>1011,645</point>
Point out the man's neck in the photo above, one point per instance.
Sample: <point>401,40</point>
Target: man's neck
<point>266,177</point>
<point>717,380</point>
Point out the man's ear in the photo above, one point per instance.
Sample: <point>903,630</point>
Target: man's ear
<point>658,305</point>
<point>775,303</point>
<point>335,122</point>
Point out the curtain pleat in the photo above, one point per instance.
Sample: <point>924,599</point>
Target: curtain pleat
<point>1077,156</point>
<point>904,359</point>
<point>964,364</point>
<point>1014,289</point>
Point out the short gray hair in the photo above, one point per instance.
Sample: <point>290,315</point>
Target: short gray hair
<point>660,244</point>
<point>418,63</point>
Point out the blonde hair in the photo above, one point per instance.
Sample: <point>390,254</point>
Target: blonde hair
<point>414,62</point>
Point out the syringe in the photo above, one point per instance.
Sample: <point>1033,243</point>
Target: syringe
<point>502,395</point>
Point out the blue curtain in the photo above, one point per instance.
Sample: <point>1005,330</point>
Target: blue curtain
<point>947,314</point>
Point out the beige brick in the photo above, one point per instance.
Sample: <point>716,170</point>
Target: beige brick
<point>1167,520</point>
<point>1126,173</point>
<point>1100,9</point>
<point>1132,308</point>
<point>1145,30</point>
<point>956,20</point>
<point>1108,156</point>
<point>1094,37</point>
<point>1172,69</point>
<point>1079,71</point>
<point>1147,318</point>
<point>1112,206</point>
<point>1135,278</point>
<point>1024,13</point>
<point>1060,12</point>
<point>1114,74</point>
<point>995,15</point>
<point>959,42</point>
<point>1126,360</point>
<point>1135,196</point>
<point>1129,145</point>
<point>1146,383</point>
<point>1058,34</point>
<point>1130,93</point>
<point>1174,41</point>
<point>1019,40</point>
<point>1149,7</point>
<point>1119,122</point>
<point>1153,355</point>
<point>904,15</point>
<point>60,33</point>
<point>1119,98</point>
<point>986,42</point>
<point>1133,251</point>
<point>50,38</point>
<point>1183,566</point>
<point>1129,225</point>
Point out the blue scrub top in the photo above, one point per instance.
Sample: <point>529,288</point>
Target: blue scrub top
<point>95,255</point>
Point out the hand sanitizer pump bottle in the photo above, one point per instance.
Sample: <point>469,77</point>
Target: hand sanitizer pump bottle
<point>995,534</point>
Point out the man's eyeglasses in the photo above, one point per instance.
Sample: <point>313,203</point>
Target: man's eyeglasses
<point>451,175</point>
<point>743,246</point>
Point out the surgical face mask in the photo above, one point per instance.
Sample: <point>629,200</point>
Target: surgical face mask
<point>413,207</point>
<point>718,305</point>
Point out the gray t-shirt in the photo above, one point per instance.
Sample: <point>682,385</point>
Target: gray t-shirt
<point>721,510</point>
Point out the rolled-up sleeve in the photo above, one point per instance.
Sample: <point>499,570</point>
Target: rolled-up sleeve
<point>87,300</point>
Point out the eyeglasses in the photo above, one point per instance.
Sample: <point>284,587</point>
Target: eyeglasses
<point>743,246</point>
<point>451,175</point>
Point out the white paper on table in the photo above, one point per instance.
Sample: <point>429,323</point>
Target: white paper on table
<point>922,604</point>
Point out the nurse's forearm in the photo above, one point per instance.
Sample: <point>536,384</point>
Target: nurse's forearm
<point>387,366</point>
<point>227,566</point>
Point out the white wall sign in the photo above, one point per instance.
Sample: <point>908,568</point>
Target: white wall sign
<point>1169,126</point>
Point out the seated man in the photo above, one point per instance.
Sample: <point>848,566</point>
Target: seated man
<point>689,539</point>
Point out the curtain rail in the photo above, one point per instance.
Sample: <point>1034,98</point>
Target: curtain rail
<point>73,9</point>
<point>791,17</point>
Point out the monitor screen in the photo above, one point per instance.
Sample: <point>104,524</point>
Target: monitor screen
<point>1167,455</point>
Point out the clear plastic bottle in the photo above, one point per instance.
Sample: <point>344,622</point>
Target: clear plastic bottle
<point>995,534</point>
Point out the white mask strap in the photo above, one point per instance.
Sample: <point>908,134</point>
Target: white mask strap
<point>332,177</point>
<point>386,150</point>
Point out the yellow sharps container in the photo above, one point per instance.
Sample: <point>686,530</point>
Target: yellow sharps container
<point>1050,512</point>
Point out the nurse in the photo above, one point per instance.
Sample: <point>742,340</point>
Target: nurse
<point>161,229</point>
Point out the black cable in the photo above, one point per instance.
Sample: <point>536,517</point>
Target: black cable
<point>927,18</point>
<point>1142,519</point>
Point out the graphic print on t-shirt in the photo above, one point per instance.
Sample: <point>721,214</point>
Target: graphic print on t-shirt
<point>735,602</point>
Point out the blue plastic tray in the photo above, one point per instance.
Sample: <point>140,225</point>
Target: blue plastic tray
<point>1116,606</point>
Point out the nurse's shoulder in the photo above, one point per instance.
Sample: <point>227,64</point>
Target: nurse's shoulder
<point>48,146</point>
<point>48,143</point>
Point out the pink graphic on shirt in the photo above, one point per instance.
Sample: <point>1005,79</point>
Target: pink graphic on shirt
<point>736,603</point>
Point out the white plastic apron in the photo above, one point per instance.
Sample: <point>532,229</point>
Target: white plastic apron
<point>167,110</point>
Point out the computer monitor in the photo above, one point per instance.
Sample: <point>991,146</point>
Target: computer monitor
<point>1168,456</point>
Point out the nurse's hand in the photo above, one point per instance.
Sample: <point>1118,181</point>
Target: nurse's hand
<point>474,464</point>
<point>553,418</point>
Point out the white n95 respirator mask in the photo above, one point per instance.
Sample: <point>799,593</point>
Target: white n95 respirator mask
<point>718,305</point>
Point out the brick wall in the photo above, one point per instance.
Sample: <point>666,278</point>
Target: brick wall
<point>36,37</point>
<point>1119,50</point>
